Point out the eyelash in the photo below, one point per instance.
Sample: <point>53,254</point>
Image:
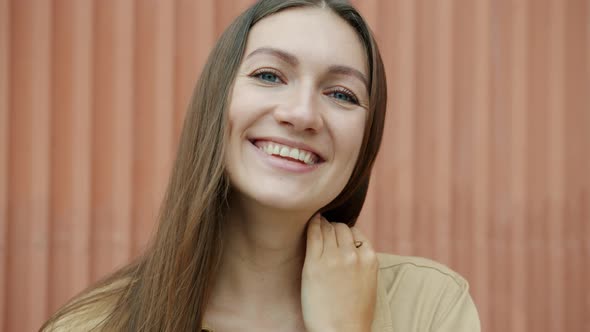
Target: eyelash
<point>259,72</point>
<point>348,93</point>
<point>344,91</point>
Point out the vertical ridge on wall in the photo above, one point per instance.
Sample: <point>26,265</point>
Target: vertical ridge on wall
<point>41,40</point>
<point>577,120</point>
<point>442,101</point>
<point>5,23</point>
<point>536,214</point>
<point>18,166</point>
<point>462,117</point>
<point>499,174</point>
<point>479,277</point>
<point>61,171</point>
<point>586,203</point>
<point>518,163</point>
<point>164,100</point>
<point>555,166</point>
<point>81,96</point>
<point>400,152</point>
<point>423,128</point>
<point>122,144</point>
<point>144,131</point>
<point>102,141</point>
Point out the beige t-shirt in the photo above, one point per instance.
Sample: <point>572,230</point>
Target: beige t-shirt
<point>417,294</point>
<point>413,295</point>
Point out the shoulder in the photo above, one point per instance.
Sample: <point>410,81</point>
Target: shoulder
<point>424,295</point>
<point>396,267</point>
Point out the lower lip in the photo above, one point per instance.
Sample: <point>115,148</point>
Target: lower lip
<point>284,164</point>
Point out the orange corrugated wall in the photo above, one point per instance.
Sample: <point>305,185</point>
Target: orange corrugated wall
<point>485,164</point>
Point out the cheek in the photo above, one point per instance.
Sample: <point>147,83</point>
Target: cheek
<point>350,135</point>
<point>244,109</point>
<point>237,117</point>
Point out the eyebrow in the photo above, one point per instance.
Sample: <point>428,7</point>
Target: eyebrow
<point>345,70</point>
<point>287,57</point>
<point>292,60</point>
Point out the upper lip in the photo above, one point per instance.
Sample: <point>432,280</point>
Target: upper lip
<point>284,141</point>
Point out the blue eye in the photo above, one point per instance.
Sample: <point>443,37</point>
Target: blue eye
<point>268,76</point>
<point>344,96</point>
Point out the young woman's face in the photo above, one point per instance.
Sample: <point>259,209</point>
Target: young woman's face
<point>298,110</point>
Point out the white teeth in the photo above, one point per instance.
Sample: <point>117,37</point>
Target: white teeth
<point>284,151</point>
<point>301,155</point>
<point>294,154</point>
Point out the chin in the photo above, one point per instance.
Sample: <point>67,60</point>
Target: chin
<point>292,201</point>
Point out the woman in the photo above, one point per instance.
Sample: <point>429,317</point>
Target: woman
<point>280,137</point>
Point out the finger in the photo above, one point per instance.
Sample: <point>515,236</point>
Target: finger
<point>359,236</point>
<point>315,244</point>
<point>344,236</point>
<point>328,235</point>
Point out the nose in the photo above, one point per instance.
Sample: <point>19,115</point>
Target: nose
<point>301,113</point>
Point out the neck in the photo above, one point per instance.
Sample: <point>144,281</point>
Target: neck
<point>264,251</point>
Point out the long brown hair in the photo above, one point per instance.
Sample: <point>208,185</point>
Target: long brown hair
<point>167,288</point>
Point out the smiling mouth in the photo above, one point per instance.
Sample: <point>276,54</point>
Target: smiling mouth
<point>287,152</point>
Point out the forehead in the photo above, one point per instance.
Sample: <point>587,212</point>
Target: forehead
<point>314,35</point>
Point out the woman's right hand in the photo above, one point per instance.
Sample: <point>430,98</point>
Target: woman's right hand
<point>339,280</point>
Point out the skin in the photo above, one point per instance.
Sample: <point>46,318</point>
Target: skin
<point>285,268</point>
